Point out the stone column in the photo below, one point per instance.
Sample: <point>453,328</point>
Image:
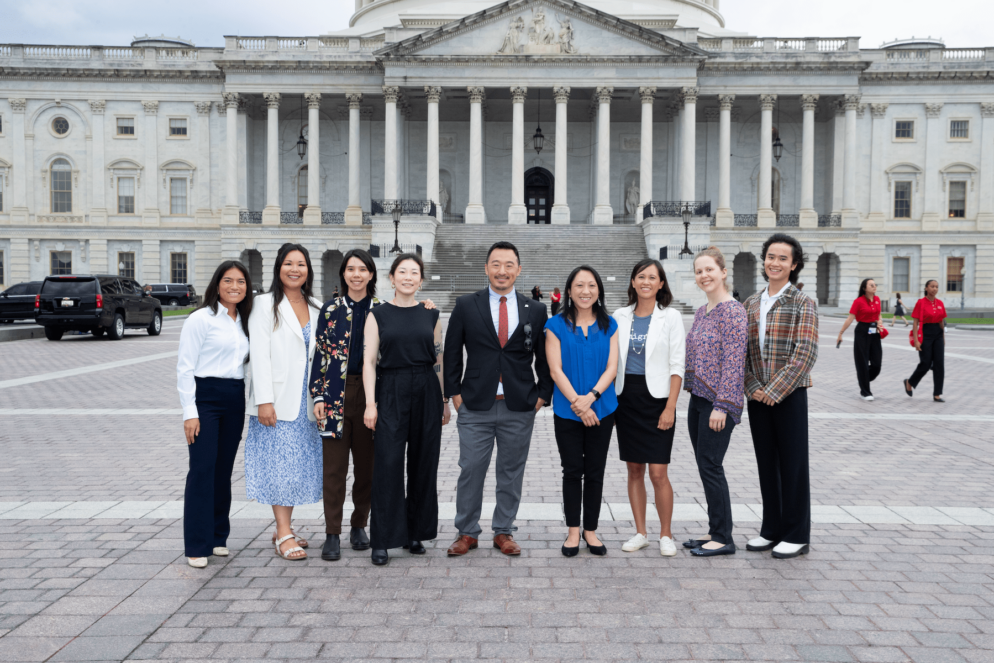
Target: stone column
<point>838,155</point>
<point>985,214</point>
<point>353,213</point>
<point>724,217</point>
<point>766,217</point>
<point>674,152</point>
<point>809,217</point>
<point>98,206</point>
<point>271,212</point>
<point>205,212</point>
<point>151,213</point>
<point>850,215</point>
<point>878,202</point>
<point>475,213</point>
<point>648,95</point>
<point>390,95</point>
<point>517,213</point>
<point>230,214</point>
<point>433,94</point>
<point>560,204</point>
<point>243,154</point>
<point>19,172</point>
<point>312,214</point>
<point>935,132</point>
<point>603,213</point>
<point>688,145</point>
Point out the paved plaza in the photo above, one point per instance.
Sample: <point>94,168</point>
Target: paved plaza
<point>91,557</point>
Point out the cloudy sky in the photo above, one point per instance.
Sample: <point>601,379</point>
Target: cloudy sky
<point>961,23</point>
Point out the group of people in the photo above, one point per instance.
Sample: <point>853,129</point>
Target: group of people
<point>373,379</point>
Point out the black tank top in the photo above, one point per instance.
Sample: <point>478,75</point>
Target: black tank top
<point>407,335</point>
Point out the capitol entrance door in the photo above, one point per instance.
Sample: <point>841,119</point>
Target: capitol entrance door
<point>539,185</point>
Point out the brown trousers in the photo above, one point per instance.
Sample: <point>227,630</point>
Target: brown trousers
<point>359,439</point>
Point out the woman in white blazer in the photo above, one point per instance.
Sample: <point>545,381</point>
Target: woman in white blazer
<point>651,340</point>
<point>283,449</point>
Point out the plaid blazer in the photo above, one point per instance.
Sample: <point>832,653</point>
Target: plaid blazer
<point>791,348</point>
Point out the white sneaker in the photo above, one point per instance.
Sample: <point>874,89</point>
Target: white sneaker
<point>221,551</point>
<point>786,550</point>
<point>759,544</point>
<point>637,542</point>
<point>197,562</point>
<point>667,548</point>
<point>868,397</point>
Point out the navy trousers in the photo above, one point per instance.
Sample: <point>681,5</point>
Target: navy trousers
<point>207,501</point>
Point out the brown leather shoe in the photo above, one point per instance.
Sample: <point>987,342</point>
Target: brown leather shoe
<point>462,545</point>
<point>506,544</point>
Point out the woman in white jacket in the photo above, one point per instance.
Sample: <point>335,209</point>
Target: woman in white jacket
<point>283,450</point>
<point>651,341</point>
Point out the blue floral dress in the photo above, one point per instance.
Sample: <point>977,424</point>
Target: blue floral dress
<point>283,465</point>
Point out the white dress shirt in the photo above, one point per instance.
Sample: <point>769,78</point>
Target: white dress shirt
<point>512,318</point>
<point>211,345</point>
<point>766,302</point>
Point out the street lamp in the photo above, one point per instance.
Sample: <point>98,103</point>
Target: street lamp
<point>301,141</point>
<point>777,145</point>
<point>396,227</point>
<point>687,214</point>
<point>538,140</point>
<point>962,287</point>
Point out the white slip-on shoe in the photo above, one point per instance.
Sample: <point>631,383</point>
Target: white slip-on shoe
<point>786,550</point>
<point>197,562</point>
<point>759,544</point>
<point>667,548</point>
<point>221,551</point>
<point>868,397</point>
<point>637,542</point>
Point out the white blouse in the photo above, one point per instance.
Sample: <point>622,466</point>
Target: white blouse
<point>211,345</point>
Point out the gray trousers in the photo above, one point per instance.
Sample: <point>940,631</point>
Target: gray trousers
<point>477,432</point>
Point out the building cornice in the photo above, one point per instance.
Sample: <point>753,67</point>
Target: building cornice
<point>110,74</point>
<point>540,61</point>
<point>782,68</point>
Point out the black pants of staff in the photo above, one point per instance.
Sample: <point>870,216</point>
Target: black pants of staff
<point>932,356</point>
<point>207,500</point>
<point>868,355</point>
<point>780,438</point>
<point>583,454</point>
<point>709,449</point>
<point>409,407</point>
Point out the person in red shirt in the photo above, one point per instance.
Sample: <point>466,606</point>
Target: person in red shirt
<point>929,338</point>
<point>866,346</point>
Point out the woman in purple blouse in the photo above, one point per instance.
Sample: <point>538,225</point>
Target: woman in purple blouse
<point>716,350</point>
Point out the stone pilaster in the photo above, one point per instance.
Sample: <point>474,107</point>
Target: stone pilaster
<point>878,201</point>
<point>98,206</point>
<point>205,210</point>
<point>985,215</point>
<point>151,212</point>
<point>935,132</point>
<point>850,215</point>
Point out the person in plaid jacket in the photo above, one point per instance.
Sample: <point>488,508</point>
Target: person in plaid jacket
<point>782,350</point>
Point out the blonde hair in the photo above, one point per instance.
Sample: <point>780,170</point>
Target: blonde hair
<point>715,254</point>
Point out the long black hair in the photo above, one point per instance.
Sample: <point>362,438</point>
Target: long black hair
<point>600,311</point>
<point>212,296</point>
<point>663,297</point>
<point>367,260</point>
<point>307,290</point>
<point>862,288</point>
<point>797,254</point>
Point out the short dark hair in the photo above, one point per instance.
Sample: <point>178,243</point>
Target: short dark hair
<point>504,245</point>
<point>600,310</point>
<point>797,253</point>
<point>367,260</point>
<point>408,256</point>
<point>925,289</point>
<point>664,297</point>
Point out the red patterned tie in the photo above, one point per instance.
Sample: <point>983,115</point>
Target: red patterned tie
<point>502,323</point>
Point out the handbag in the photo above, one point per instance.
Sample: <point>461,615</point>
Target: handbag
<point>911,336</point>
<point>883,333</point>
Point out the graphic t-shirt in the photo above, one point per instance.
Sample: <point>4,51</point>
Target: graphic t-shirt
<point>635,362</point>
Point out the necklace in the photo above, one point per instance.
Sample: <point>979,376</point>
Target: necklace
<point>295,301</point>
<point>633,338</point>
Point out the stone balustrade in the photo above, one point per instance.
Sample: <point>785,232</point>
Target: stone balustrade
<point>780,45</point>
<point>96,56</point>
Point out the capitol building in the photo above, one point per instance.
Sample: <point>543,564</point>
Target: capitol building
<point>610,122</point>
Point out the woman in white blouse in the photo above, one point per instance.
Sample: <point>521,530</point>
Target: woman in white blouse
<point>210,378</point>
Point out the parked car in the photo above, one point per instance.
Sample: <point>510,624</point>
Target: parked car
<point>18,301</point>
<point>175,294</point>
<point>96,303</point>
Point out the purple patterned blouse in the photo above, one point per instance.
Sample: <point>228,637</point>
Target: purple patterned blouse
<point>716,350</point>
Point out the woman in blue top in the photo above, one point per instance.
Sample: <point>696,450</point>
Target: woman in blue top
<point>581,344</point>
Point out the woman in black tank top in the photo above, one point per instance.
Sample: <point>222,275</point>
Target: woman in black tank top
<point>402,376</point>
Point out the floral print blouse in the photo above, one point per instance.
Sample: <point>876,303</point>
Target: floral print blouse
<point>716,350</point>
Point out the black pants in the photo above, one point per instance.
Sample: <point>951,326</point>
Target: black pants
<point>868,355</point>
<point>207,500</point>
<point>409,406</point>
<point>709,449</point>
<point>932,356</point>
<point>780,438</point>
<point>583,454</point>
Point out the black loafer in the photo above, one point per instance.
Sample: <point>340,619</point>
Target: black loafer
<point>332,549</point>
<point>358,539</point>
<point>695,543</point>
<point>727,549</point>
<point>416,548</point>
<point>380,557</point>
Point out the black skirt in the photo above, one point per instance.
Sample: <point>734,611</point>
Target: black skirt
<point>637,419</point>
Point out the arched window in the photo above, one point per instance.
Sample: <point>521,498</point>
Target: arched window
<point>61,187</point>
<point>301,190</point>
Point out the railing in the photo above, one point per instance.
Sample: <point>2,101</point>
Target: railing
<point>5,51</point>
<point>291,218</point>
<point>60,218</point>
<point>746,220</point>
<point>675,252</point>
<point>827,45</point>
<point>675,208</point>
<point>383,250</point>
<point>902,55</point>
<point>291,44</point>
<point>790,44</point>
<point>963,54</point>
<point>124,53</point>
<point>747,44</point>
<point>829,220</point>
<point>709,44</point>
<point>337,43</point>
<point>407,207</point>
<point>788,221</point>
<point>58,52</point>
<point>178,54</point>
<point>371,44</point>
<point>251,43</point>
<point>332,218</point>
<point>249,217</point>
<point>453,218</point>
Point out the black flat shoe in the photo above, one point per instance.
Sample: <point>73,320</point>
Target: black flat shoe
<point>358,539</point>
<point>939,399</point>
<point>769,546</point>
<point>695,543</point>
<point>380,557</point>
<point>332,549</point>
<point>416,548</point>
<point>571,552</point>
<point>908,390</point>
<point>727,549</point>
<point>600,550</point>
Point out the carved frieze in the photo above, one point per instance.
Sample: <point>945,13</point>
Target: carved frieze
<point>538,36</point>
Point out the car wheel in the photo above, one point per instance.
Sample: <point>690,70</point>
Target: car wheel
<point>53,333</point>
<point>155,327</point>
<point>174,302</point>
<point>116,331</point>
<point>97,332</point>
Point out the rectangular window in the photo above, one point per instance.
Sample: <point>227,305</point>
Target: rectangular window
<point>61,188</point>
<point>177,127</point>
<point>125,195</point>
<point>177,267</point>
<point>177,195</point>
<point>904,129</point>
<point>125,126</point>
<point>61,263</point>
<point>954,274</point>
<point>959,129</point>
<point>902,200</point>
<point>126,264</point>
<point>901,270</point>
<point>957,200</point>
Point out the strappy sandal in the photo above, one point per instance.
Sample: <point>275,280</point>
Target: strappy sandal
<point>300,540</point>
<point>286,554</point>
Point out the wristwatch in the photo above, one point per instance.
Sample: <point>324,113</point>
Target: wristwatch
<point>597,394</point>
<point>445,400</point>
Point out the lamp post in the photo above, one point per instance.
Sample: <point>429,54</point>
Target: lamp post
<point>962,287</point>
<point>301,141</point>
<point>396,226</point>
<point>686,213</point>
<point>538,140</point>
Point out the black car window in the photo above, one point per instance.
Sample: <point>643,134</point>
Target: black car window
<point>32,288</point>
<point>110,287</point>
<point>69,287</point>
<point>177,288</point>
<point>135,288</point>
<point>19,289</point>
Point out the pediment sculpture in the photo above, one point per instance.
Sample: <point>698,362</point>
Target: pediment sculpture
<point>542,39</point>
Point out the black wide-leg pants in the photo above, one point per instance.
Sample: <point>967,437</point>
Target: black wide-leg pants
<point>932,356</point>
<point>409,410</point>
<point>868,355</point>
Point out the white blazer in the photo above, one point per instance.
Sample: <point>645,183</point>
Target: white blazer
<point>277,358</point>
<point>665,348</point>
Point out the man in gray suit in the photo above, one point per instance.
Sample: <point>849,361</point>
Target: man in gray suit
<point>497,397</point>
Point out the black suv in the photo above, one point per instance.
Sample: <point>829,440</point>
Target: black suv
<point>95,303</point>
<point>175,294</point>
<point>18,301</point>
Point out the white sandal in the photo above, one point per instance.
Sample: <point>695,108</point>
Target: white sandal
<point>285,555</point>
<point>301,540</point>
